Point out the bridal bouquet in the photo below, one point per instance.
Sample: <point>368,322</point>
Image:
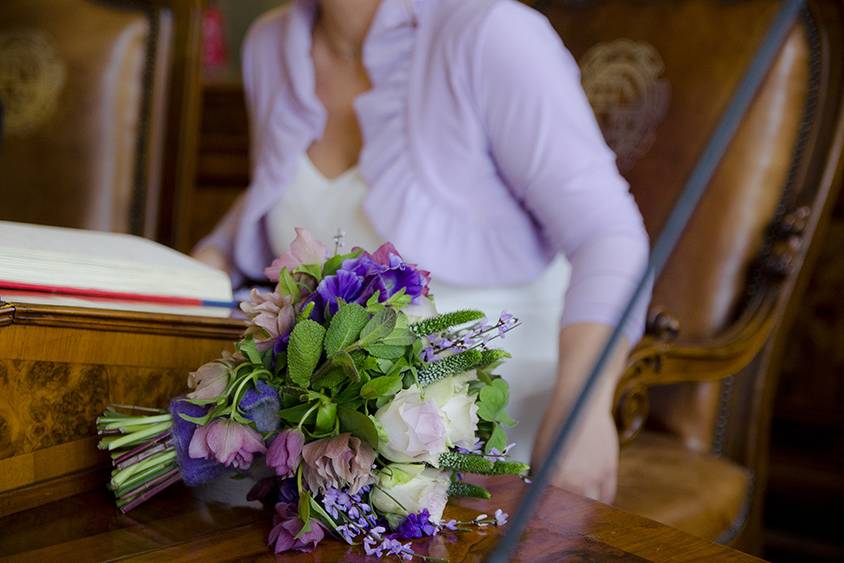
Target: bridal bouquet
<point>367,406</point>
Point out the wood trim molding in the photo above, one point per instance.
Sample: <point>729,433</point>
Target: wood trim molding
<point>121,321</point>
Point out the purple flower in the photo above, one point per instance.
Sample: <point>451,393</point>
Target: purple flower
<point>416,526</point>
<point>342,285</point>
<point>287,525</point>
<point>285,452</point>
<point>228,442</point>
<point>261,405</point>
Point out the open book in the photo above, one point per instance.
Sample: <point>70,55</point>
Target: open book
<point>54,265</point>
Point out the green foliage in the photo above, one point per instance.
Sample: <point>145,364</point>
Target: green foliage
<point>380,326</point>
<point>452,365</point>
<point>345,327</point>
<point>464,489</point>
<point>287,285</point>
<point>293,415</point>
<point>358,424</point>
<point>492,399</point>
<point>304,351</point>
<point>304,511</point>
<point>335,262</point>
<point>247,348</point>
<point>346,362</point>
<point>497,440</point>
<point>381,387</point>
<point>445,321</point>
<point>493,357</point>
<point>385,351</point>
<point>472,463</point>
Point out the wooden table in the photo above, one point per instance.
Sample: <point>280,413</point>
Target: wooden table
<point>178,526</point>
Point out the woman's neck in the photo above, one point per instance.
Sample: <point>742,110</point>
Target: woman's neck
<point>345,23</point>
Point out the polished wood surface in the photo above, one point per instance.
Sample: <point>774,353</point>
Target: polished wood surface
<point>180,526</point>
<point>60,367</point>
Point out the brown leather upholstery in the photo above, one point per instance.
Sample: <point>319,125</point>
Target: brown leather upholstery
<point>659,75</point>
<point>90,91</point>
<point>698,493</point>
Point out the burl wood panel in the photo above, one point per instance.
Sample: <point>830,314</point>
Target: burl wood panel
<point>60,367</point>
<point>179,526</point>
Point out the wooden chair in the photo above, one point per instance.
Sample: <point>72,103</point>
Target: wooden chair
<point>693,407</point>
<point>101,103</point>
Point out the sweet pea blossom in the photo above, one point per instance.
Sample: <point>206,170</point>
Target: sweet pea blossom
<point>303,250</point>
<point>271,317</point>
<point>339,462</point>
<point>459,409</point>
<point>286,528</point>
<point>230,443</point>
<point>409,488</point>
<point>414,428</point>
<point>285,452</point>
<point>209,381</point>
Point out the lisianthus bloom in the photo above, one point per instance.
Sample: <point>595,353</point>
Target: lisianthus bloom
<point>271,317</point>
<point>286,528</point>
<point>303,250</point>
<point>459,409</point>
<point>359,278</point>
<point>227,441</point>
<point>209,381</point>
<point>409,488</point>
<point>261,404</point>
<point>413,427</point>
<point>343,461</point>
<point>285,452</point>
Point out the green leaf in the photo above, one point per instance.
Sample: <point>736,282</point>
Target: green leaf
<point>358,424</point>
<point>497,440</point>
<point>247,348</point>
<point>333,264</point>
<point>346,362</point>
<point>385,351</point>
<point>333,377</point>
<point>287,285</point>
<point>319,512</point>
<point>492,399</point>
<point>306,312</point>
<point>379,326</point>
<point>326,416</point>
<point>382,386</point>
<point>345,327</point>
<point>304,350</point>
<point>293,415</point>
<point>313,270</point>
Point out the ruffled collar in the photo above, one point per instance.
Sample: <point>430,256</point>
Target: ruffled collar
<point>392,18</point>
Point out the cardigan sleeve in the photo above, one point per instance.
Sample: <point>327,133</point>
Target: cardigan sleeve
<point>549,150</point>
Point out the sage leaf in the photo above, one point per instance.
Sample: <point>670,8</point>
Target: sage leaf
<point>345,327</point>
<point>379,326</point>
<point>381,387</point>
<point>304,351</point>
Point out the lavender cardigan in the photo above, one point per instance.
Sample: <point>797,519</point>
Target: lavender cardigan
<point>481,152</point>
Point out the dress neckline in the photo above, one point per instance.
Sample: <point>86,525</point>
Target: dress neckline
<point>315,172</point>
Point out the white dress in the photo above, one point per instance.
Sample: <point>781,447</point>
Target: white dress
<point>323,206</point>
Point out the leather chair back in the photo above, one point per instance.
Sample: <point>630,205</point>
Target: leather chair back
<point>659,75</point>
<point>101,102</point>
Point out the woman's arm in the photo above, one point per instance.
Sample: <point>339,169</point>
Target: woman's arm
<point>549,149</point>
<point>590,463</point>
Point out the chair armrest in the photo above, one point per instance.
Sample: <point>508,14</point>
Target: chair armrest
<point>663,359</point>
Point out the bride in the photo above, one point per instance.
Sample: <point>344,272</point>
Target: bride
<point>457,130</point>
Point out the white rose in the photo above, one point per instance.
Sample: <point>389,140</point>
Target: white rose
<point>407,489</point>
<point>459,409</point>
<point>413,427</point>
